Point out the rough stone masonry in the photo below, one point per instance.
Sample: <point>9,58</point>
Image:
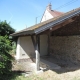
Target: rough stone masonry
<point>66,48</point>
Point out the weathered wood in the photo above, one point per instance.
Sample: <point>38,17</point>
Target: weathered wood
<point>37,53</point>
<point>58,26</point>
<point>62,24</point>
<point>38,43</point>
<point>33,41</point>
<point>48,45</point>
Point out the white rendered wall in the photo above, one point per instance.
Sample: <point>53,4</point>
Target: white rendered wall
<point>46,16</point>
<point>43,45</point>
<point>25,48</point>
<point>18,49</point>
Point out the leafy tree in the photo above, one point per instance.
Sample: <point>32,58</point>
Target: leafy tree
<point>5,57</point>
<point>5,28</point>
<point>5,47</point>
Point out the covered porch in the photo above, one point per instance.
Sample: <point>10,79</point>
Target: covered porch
<point>50,38</point>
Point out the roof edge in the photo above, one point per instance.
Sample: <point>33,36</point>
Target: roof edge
<point>56,22</point>
<point>30,32</point>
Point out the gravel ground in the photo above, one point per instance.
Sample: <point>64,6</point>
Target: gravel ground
<point>69,72</point>
<point>24,66</point>
<point>52,75</point>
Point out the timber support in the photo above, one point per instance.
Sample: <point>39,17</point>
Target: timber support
<point>36,43</point>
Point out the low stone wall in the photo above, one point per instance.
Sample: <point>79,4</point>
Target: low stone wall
<point>66,48</point>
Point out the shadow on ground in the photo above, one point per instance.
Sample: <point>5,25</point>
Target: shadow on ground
<point>65,65</point>
<point>11,76</point>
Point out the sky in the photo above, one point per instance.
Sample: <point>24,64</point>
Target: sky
<point>22,13</point>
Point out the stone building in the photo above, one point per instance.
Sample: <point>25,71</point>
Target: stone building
<point>57,35</point>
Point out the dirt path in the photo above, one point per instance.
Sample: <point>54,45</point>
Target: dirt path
<point>52,75</point>
<point>23,66</point>
<point>68,72</point>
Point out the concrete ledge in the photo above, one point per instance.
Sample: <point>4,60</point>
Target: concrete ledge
<point>48,65</point>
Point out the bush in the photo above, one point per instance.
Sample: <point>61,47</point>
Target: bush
<point>13,48</point>
<point>5,57</point>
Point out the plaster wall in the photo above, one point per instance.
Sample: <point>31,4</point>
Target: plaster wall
<point>25,48</point>
<point>46,16</point>
<point>43,45</point>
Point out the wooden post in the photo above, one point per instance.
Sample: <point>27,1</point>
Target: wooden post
<point>36,44</point>
<point>37,53</point>
<point>48,44</point>
<point>39,43</point>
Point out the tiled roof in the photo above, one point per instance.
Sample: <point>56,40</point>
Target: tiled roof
<point>55,13</point>
<point>50,20</point>
<point>34,27</point>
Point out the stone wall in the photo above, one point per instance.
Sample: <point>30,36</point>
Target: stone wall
<point>66,48</point>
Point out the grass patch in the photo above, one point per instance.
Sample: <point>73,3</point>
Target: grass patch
<point>18,76</point>
<point>48,75</point>
<point>28,78</point>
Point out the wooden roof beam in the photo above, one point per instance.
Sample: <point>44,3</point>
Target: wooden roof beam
<point>62,24</point>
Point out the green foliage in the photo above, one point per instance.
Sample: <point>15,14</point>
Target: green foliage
<point>32,77</point>
<point>5,57</point>
<point>13,51</point>
<point>5,47</point>
<point>5,28</point>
